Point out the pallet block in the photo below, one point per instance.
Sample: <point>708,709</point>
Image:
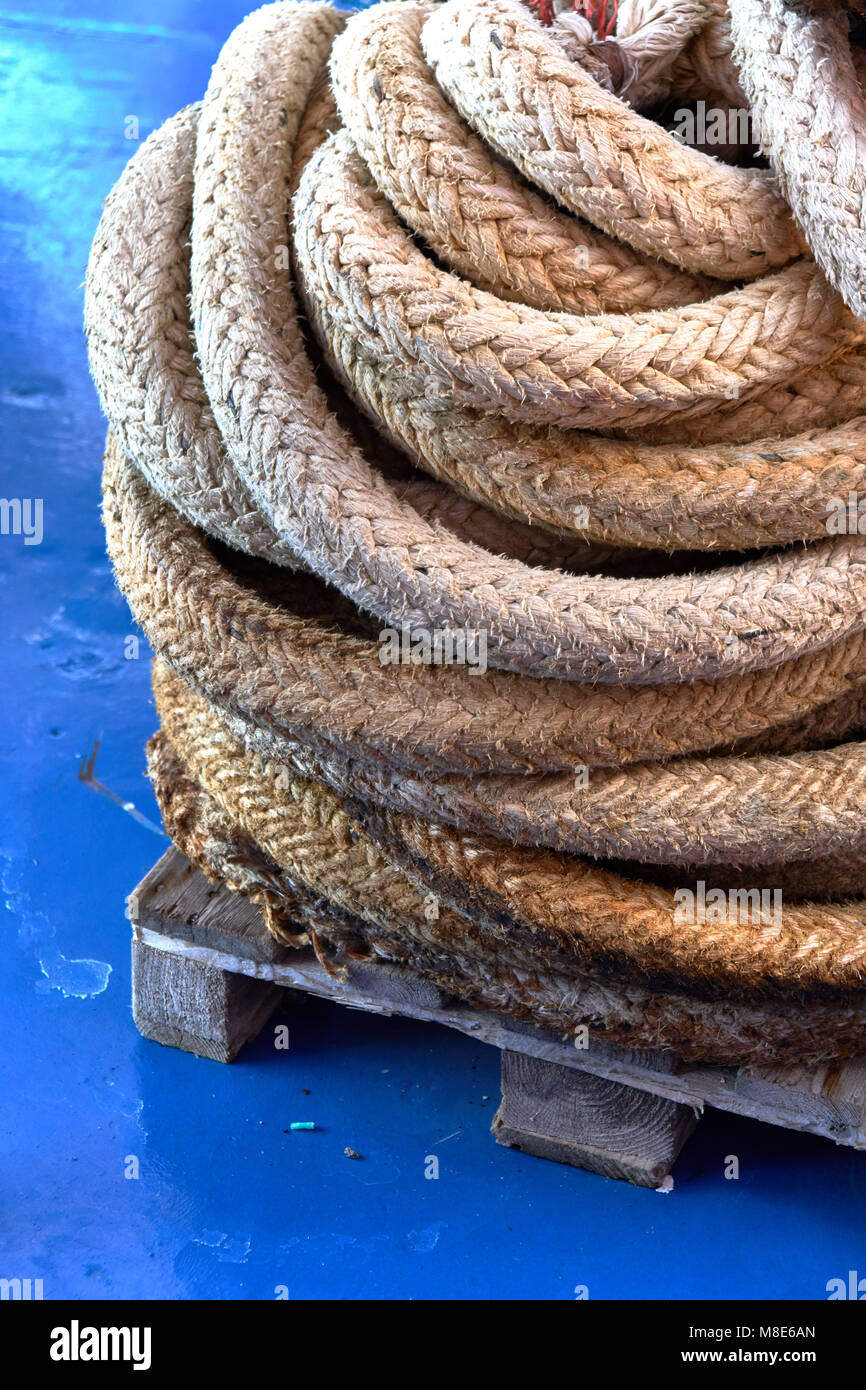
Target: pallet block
<point>574,1117</point>
<point>207,975</point>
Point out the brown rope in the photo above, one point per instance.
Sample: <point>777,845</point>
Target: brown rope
<point>564,911</point>
<point>473,962</point>
<point>285,666</point>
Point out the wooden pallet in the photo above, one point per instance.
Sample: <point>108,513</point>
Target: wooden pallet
<point>206,976</point>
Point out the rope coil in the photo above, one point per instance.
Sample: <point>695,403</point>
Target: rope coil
<point>318,856</point>
<point>672,713</point>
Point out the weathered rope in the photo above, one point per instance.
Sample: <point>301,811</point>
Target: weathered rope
<point>481,220</point>
<point>516,88</point>
<point>312,855</point>
<point>633,494</point>
<point>571,387</point>
<point>577,914</point>
<point>800,78</point>
<point>161,411</point>
<point>442,335</point>
<point>749,810</point>
<point>537,622</point>
<point>285,665</point>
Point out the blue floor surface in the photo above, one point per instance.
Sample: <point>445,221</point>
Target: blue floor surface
<point>227,1204</point>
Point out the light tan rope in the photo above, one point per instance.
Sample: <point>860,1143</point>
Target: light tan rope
<point>483,222</point>
<point>633,493</point>
<point>516,88</point>
<point>282,665</point>
<point>444,337</point>
<point>751,810</point>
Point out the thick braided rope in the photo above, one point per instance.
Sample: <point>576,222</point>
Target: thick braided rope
<point>161,413</point>
<point>263,394</point>
<point>137,321</point>
<point>803,87</point>
<point>298,676</point>
<point>809,399</point>
<point>516,88</point>
<point>816,398</point>
<point>818,880</point>
<point>623,492</point>
<point>124,414</point>
<point>747,810</point>
<point>419,157</point>
<point>443,336</point>
<point>628,925</point>
<point>135,312</point>
<point>468,960</point>
<point>472,211</point>
<point>575,911</point>
<point>498,439</point>
<point>141,358</point>
<point>202,831</point>
<point>423,182</point>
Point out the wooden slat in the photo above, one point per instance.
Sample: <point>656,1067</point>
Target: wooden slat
<point>174,893</point>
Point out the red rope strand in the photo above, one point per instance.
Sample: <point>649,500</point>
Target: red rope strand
<point>600,13</point>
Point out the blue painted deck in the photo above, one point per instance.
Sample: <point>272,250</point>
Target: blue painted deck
<point>228,1205</point>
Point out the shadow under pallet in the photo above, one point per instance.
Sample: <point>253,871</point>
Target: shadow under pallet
<point>206,976</point>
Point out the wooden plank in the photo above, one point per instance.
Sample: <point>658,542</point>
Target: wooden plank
<point>175,893</point>
<point>834,1092</point>
<point>825,1100</point>
<point>197,1007</point>
<point>573,1117</point>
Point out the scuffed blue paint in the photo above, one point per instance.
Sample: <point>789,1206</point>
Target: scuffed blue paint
<point>424,1242</point>
<point>232,1250</point>
<point>74,979</point>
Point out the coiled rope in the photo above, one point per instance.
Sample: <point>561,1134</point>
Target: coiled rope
<point>312,866</point>
<point>673,717</point>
